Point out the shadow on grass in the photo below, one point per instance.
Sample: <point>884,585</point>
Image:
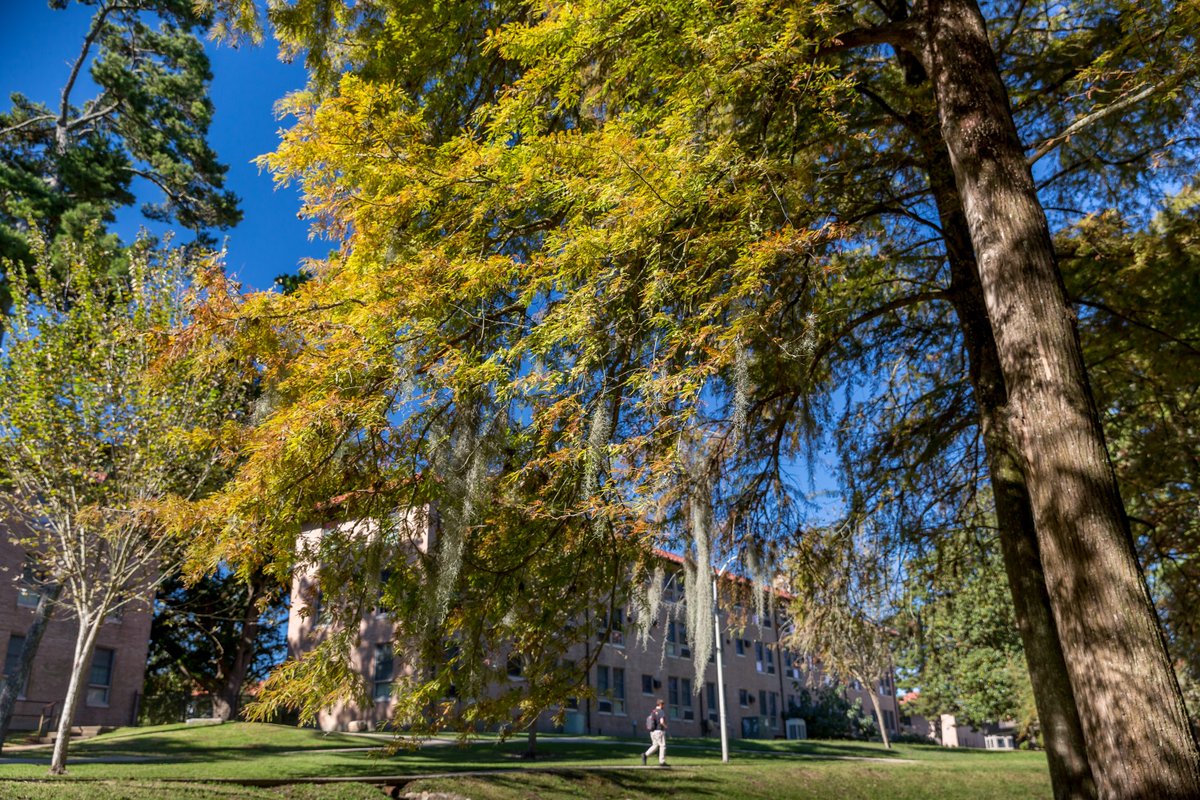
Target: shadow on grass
<point>586,784</point>
<point>244,751</point>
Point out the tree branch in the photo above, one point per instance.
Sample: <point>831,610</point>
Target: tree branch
<point>1080,123</point>
<point>88,40</point>
<point>900,35</point>
<point>26,123</point>
<point>875,313</point>
<point>1107,309</point>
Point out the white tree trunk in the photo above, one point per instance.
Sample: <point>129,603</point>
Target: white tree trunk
<point>85,645</point>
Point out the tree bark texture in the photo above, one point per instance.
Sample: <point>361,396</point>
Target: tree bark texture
<point>1138,738</point>
<point>33,639</point>
<point>1058,715</point>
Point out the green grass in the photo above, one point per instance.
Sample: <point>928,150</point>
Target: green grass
<point>139,762</point>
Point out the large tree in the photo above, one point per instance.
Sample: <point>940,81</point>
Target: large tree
<point>69,164</point>
<point>645,222</point>
<point>217,633</point>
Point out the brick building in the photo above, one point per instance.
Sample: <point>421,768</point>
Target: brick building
<point>762,680</point>
<point>114,676</point>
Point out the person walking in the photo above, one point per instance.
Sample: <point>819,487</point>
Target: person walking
<point>656,723</point>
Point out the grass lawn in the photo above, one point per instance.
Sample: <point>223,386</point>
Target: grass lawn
<point>189,762</point>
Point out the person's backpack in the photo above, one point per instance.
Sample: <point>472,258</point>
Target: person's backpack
<point>650,722</point>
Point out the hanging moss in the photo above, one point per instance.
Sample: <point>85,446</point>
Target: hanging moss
<point>698,586</point>
<point>756,571</point>
<point>599,431</point>
<point>647,598</point>
<point>465,482</point>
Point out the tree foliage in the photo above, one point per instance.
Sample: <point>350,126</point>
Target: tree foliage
<point>841,615</point>
<point>97,427</point>
<point>69,165</point>
<point>220,634</point>
<point>961,650</point>
<point>619,230</point>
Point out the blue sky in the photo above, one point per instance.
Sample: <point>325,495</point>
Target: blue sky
<point>37,45</point>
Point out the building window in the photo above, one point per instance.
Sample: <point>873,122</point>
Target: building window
<point>770,660</point>
<point>743,698</point>
<point>615,625</point>
<point>740,646</point>
<point>515,667</point>
<point>679,696</point>
<point>31,585</point>
<point>318,609</point>
<point>792,666</point>
<point>647,684</point>
<point>773,714</point>
<point>677,640</point>
<point>383,670</point>
<point>12,659</point>
<point>673,587</point>
<point>889,719</point>
<point>385,577</point>
<point>610,690</point>
<point>759,663</point>
<point>100,677</point>
<point>710,691</point>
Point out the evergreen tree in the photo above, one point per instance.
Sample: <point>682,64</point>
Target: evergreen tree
<point>70,164</point>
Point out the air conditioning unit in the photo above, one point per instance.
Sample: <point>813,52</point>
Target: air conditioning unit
<point>657,683</point>
<point>797,728</point>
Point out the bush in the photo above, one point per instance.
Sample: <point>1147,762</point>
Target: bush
<point>829,715</point>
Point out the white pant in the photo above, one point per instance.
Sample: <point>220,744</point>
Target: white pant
<point>658,741</point>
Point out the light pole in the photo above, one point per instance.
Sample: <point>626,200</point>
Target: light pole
<point>720,664</point>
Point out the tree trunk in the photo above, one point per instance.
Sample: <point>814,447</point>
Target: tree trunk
<point>874,695</point>
<point>1070,771</point>
<point>531,746</point>
<point>33,638</point>
<point>227,698</point>
<point>1138,739</point>
<point>85,645</point>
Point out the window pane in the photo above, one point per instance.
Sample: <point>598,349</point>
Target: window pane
<point>12,657</point>
<point>384,661</point>
<point>101,674</point>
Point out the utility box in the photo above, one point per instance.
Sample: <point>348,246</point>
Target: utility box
<point>797,728</point>
<point>573,723</point>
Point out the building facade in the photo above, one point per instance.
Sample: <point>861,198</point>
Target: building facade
<point>762,680</point>
<point>114,676</point>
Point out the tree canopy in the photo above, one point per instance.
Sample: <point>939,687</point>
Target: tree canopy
<point>641,240</point>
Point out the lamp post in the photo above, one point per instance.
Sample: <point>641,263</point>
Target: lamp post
<point>720,662</point>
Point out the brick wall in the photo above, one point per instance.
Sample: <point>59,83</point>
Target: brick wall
<point>125,639</point>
